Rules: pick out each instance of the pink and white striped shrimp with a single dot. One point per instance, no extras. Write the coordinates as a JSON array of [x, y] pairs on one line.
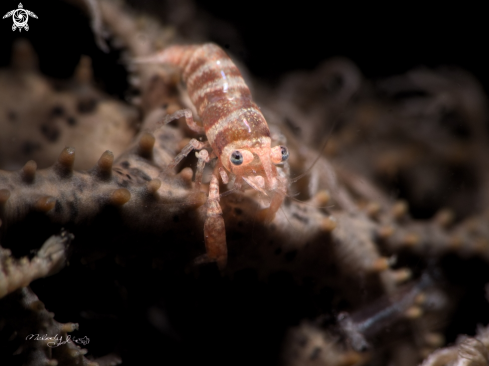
[[235, 129]]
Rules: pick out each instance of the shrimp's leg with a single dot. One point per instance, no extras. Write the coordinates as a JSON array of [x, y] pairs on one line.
[[214, 229], [192, 145], [203, 157], [188, 118], [224, 176]]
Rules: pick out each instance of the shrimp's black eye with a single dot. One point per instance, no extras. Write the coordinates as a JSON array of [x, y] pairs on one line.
[[285, 153], [236, 158]]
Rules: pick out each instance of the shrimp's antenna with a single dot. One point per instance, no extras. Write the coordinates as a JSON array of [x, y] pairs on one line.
[[286, 217], [333, 126], [227, 192], [307, 203]]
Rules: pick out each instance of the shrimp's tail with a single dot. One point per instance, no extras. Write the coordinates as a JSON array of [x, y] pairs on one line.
[[178, 55]]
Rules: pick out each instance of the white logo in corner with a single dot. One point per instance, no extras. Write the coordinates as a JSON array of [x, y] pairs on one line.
[[20, 17]]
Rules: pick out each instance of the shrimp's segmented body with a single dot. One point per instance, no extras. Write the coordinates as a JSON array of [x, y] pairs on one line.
[[235, 129]]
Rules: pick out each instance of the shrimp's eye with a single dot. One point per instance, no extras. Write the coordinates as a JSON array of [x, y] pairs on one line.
[[285, 153], [279, 154], [236, 158]]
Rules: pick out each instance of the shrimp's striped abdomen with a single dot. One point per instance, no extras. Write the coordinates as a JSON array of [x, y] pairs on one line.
[[219, 93]]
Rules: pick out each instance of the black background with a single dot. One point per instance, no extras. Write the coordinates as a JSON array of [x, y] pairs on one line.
[[275, 38]]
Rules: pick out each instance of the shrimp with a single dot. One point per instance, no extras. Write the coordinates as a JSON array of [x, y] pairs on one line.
[[236, 131]]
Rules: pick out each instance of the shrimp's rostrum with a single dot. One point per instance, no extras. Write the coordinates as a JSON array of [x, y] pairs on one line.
[[235, 129]]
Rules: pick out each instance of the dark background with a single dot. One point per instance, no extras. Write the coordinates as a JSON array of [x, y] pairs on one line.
[[273, 38]]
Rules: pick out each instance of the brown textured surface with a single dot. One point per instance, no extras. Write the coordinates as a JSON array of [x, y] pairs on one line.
[[352, 246]]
